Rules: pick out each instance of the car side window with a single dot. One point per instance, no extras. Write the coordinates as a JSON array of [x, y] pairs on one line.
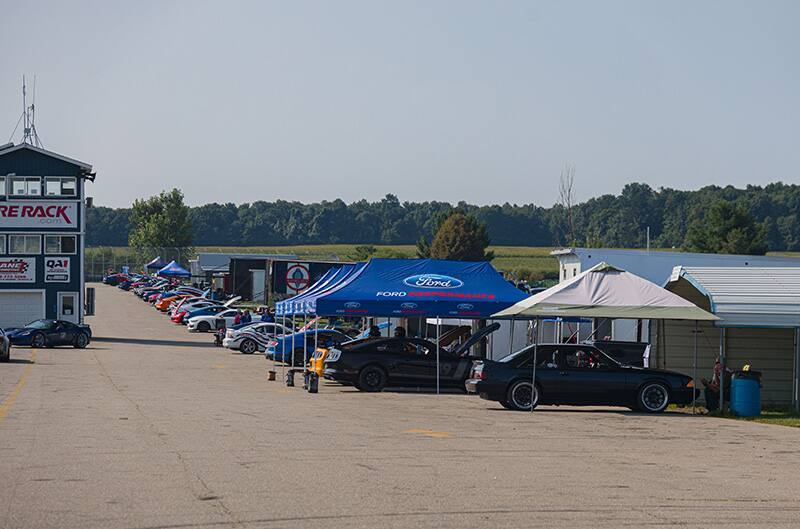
[[546, 358], [390, 346], [580, 358]]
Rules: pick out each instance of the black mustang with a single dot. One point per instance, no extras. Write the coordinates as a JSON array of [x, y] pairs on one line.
[[576, 374], [374, 364]]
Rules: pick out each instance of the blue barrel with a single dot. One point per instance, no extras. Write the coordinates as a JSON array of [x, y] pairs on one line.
[[745, 396]]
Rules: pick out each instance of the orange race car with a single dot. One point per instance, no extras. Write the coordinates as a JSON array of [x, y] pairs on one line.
[[163, 304]]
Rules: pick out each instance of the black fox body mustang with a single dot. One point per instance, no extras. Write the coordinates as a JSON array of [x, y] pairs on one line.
[[374, 364], [577, 374]]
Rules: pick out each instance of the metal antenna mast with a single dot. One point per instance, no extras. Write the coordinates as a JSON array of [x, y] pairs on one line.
[[28, 117]]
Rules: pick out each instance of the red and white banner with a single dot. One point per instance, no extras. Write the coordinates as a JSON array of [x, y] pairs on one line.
[[17, 270], [38, 214], [298, 278]]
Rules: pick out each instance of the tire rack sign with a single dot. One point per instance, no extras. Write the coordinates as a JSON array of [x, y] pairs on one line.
[[56, 270], [39, 214], [18, 270]]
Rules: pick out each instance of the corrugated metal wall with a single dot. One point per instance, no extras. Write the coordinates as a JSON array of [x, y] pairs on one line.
[[770, 351]]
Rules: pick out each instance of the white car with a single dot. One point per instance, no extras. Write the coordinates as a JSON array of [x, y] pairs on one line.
[[247, 339], [207, 323]]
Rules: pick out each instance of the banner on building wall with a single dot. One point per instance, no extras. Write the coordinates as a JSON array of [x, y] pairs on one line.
[[290, 278], [56, 270], [38, 214], [17, 270]]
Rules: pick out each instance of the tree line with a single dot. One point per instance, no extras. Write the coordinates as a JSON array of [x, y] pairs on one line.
[[723, 219]]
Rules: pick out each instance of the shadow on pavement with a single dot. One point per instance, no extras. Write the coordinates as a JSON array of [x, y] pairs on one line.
[[144, 341], [13, 360]]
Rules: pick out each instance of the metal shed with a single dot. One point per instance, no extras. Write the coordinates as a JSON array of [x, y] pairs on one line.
[[760, 325]]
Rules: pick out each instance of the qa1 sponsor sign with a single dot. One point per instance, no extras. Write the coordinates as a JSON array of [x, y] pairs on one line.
[[56, 270], [39, 214], [17, 270]]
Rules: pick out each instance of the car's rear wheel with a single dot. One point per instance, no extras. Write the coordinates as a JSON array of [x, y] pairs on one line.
[[203, 326], [522, 396], [248, 346], [38, 341], [371, 378], [653, 397], [7, 355], [82, 340]]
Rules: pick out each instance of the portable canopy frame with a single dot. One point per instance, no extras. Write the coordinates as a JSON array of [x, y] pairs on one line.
[[420, 288], [156, 264], [305, 303], [605, 291], [173, 269]]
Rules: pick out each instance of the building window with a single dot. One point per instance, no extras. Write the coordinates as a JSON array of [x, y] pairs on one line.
[[59, 186], [2, 185], [24, 244], [26, 186], [59, 244], [2, 244]]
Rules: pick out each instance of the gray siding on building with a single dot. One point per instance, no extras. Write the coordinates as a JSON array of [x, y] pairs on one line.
[[770, 351]]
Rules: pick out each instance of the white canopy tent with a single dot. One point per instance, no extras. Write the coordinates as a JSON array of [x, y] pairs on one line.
[[605, 291]]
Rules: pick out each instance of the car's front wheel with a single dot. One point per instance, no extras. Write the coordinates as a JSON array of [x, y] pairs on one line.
[[82, 340], [653, 397], [522, 396], [371, 378], [6, 357], [203, 326], [248, 347], [38, 341]]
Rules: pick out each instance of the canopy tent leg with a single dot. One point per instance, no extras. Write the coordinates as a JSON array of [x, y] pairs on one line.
[[283, 352], [438, 345], [511, 337], [722, 373], [305, 349], [535, 358], [291, 356], [797, 370], [694, 370]]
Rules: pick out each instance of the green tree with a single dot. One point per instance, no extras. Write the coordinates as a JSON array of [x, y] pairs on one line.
[[726, 228], [161, 221], [461, 238]]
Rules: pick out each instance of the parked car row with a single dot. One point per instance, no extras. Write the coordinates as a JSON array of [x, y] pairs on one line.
[[575, 374], [592, 373]]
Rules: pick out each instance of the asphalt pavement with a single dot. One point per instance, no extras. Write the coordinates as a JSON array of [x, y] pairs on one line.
[[153, 427]]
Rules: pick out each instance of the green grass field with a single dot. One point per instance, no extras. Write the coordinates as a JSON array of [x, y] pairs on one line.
[[532, 261], [523, 262]]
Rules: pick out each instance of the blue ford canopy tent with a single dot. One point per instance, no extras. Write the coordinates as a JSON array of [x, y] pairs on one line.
[[173, 269], [156, 264], [422, 288]]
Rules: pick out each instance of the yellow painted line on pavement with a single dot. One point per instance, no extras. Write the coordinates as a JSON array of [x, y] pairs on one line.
[[430, 433], [218, 366], [5, 406]]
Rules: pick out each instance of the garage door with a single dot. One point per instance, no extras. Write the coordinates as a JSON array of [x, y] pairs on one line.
[[19, 308]]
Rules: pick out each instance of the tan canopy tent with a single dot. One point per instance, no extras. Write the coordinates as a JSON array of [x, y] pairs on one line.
[[605, 291]]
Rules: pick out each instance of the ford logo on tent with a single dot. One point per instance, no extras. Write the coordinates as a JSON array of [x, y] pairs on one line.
[[408, 306], [433, 281], [352, 305], [465, 306]]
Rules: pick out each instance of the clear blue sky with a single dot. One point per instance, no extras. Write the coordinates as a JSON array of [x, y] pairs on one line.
[[477, 101]]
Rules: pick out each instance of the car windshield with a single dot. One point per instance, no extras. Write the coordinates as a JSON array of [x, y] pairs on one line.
[[39, 324]]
